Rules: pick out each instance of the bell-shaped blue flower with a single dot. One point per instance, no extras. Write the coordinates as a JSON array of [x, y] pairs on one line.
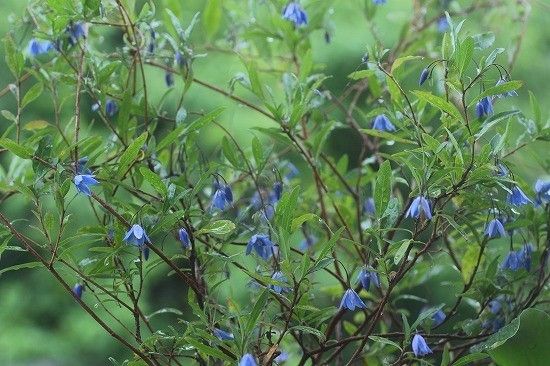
[[423, 76], [495, 229], [83, 182], [169, 79], [179, 59], [76, 31], [368, 206], [419, 346], [438, 318], [295, 13], [382, 123], [222, 198], [277, 192], [308, 242], [442, 24], [38, 47], [279, 277], [495, 306], [111, 108], [501, 170], [78, 289], [183, 236], [366, 277], [517, 198], [292, 171], [484, 107], [261, 245], [247, 360], [351, 301], [542, 191], [420, 205], [81, 166], [136, 236], [222, 335], [282, 357], [511, 262], [524, 256]]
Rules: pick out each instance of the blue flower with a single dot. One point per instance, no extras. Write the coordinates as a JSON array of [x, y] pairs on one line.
[[524, 256], [517, 197], [495, 306], [511, 93], [292, 171], [419, 346], [38, 47], [136, 236], [438, 317], [184, 238], [542, 191], [78, 289], [495, 229], [223, 335], [365, 278], [111, 108], [261, 244], [247, 360], [81, 166], [76, 31], [151, 46], [442, 24], [223, 197], [283, 356], [96, 106], [484, 107], [501, 170], [512, 261], [423, 76], [169, 79], [180, 60], [382, 123], [378, 2], [308, 242], [351, 301], [277, 192], [279, 277], [419, 205], [145, 251], [83, 183], [494, 324], [294, 13], [368, 206]]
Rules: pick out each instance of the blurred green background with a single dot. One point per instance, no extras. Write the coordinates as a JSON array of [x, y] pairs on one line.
[[41, 325]]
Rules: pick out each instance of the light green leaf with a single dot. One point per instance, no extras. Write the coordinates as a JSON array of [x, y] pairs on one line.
[[382, 189], [130, 154], [154, 180], [220, 227], [439, 103]]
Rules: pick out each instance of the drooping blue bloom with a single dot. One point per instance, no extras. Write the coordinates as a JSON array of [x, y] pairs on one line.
[[277, 192], [136, 236], [423, 76], [83, 182], [382, 123], [38, 47], [151, 46], [524, 256], [184, 238], [308, 242], [351, 301], [366, 277], [495, 306], [495, 229], [261, 245], [283, 356], [438, 317], [295, 13], [517, 198], [279, 277], [247, 360], [442, 24], [419, 205], [292, 171], [378, 2], [501, 170], [511, 262], [223, 197], [511, 93], [542, 191], [419, 346], [484, 107], [76, 31], [78, 289], [169, 79], [368, 206], [222, 335], [180, 60], [111, 107], [145, 251]]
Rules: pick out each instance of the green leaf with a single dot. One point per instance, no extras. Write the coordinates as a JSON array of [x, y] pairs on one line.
[[361, 74], [200, 122], [220, 227], [400, 253], [387, 136], [382, 190], [17, 267], [401, 60], [212, 16], [385, 341], [469, 261], [286, 208], [255, 313], [297, 222], [467, 360], [154, 180], [33, 93], [464, 55], [24, 152], [130, 154], [439, 103], [303, 329], [207, 350], [229, 152], [498, 89], [165, 311]]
